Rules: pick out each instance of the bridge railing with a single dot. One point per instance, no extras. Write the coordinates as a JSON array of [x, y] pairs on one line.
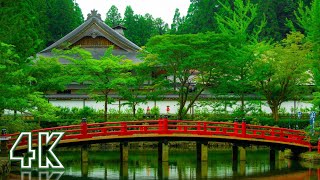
[[165, 126]]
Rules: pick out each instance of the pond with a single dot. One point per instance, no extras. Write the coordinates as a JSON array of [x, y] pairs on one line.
[[143, 164]]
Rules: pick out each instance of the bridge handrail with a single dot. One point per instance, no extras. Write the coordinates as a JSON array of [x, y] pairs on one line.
[[165, 126], [276, 128], [195, 122]]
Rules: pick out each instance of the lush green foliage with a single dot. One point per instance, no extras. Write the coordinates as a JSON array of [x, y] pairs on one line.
[[113, 17], [308, 18], [228, 57], [201, 16], [14, 81], [237, 24], [140, 28], [281, 72], [30, 25], [187, 61], [103, 75], [17, 92]]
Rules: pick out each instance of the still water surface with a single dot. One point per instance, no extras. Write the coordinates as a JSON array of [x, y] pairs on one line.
[[182, 165]]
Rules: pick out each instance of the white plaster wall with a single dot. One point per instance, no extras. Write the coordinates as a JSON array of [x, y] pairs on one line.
[[163, 105]]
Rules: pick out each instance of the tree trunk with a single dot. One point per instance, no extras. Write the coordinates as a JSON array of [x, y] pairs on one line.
[[180, 113], [275, 112], [106, 108], [182, 103], [15, 114], [134, 109], [119, 107], [242, 105]]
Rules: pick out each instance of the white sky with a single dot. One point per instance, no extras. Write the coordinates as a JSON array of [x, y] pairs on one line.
[[157, 8]]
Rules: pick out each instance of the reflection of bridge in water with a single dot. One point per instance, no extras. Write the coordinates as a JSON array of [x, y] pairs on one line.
[[111, 168], [164, 130]]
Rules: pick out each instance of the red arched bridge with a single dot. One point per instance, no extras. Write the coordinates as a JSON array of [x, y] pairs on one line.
[[148, 130]]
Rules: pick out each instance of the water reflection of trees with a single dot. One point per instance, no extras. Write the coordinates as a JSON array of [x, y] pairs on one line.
[[181, 165]]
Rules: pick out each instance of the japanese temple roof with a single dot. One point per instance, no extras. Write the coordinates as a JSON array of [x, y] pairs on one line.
[[94, 27]]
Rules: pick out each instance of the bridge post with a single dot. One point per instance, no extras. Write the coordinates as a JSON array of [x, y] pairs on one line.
[[84, 169], [123, 128], [202, 150], [202, 170], [243, 127], [235, 153], [238, 152], [4, 144], [84, 127], [242, 153], [163, 151], [124, 151], [163, 170], [318, 146], [124, 170], [276, 154], [165, 124], [272, 158], [235, 126], [84, 153], [242, 168]]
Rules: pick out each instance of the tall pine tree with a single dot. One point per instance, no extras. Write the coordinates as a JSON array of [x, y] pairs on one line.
[[64, 16], [113, 17], [20, 24]]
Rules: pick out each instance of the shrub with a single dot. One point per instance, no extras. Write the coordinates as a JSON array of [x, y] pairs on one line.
[[155, 111], [19, 125], [140, 113]]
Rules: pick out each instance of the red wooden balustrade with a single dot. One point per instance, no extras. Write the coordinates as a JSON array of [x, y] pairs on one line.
[[165, 126]]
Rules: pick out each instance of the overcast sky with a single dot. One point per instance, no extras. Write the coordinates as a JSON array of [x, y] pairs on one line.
[[157, 8]]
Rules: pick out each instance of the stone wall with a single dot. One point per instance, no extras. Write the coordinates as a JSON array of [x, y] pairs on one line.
[[5, 166]]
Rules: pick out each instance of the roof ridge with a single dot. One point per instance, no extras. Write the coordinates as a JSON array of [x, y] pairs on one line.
[[95, 16]]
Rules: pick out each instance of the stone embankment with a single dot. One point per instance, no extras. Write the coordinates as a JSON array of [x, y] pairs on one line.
[[5, 166]]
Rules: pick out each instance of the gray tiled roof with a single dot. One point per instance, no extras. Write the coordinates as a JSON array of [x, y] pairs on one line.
[[97, 26], [94, 27]]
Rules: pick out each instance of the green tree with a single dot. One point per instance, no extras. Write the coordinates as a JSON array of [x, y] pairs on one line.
[[200, 17], [129, 22], [49, 74], [191, 64], [14, 80], [16, 91], [308, 19], [113, 17], [140, 28], [146, 29], [176, 22], [99, 75], [63, 16], [79, 19], [160, 26], [40, 108], [277, 13], [20, 26], [282, 71], [236, 23], [137, 87]]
